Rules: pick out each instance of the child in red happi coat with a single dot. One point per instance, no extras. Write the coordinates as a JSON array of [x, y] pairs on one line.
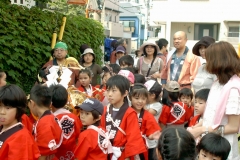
[[70, 123], [16, 142], [47, 130], [186, 96], [93, 143], [147, 123], [121, 121], [85, 77], [173, 112], [199, 106]]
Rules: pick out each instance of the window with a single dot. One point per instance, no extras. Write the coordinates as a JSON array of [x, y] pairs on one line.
[[21, 1], [233, 32], [15, 1]]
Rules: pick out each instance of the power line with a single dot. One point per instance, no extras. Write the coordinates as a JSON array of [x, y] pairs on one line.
[[122, 7]]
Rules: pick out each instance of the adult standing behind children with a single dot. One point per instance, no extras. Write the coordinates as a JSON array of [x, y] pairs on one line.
[[203, 78], [222, 113], [183, 65], [149, 65], [113, 56], [59, 58], [163, 45], [88, 61]]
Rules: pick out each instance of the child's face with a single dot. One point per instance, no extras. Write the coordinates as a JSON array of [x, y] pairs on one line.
[[151, 97], [203, 155], [115, 97], [84, 79], [88, 58], [7, 116], [119, 55], [186, 100], [107, 75], [86, 118], [199, 106], [3, 80], [139, 102]]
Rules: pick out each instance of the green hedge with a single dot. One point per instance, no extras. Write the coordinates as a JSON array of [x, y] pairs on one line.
[[26, 39]]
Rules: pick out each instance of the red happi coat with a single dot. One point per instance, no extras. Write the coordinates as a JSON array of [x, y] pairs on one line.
[[132, 143], [19, 146], [194, 120], [27, 122], [83, 90], [48, 134], [189, 113], [167, 117], [148, 126], [71, 126], [99, 92], [87, 147]]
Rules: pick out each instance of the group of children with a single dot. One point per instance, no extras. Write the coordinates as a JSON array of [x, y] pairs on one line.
[[122, 118]]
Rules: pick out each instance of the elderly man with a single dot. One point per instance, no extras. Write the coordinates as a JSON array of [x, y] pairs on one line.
[[60, 59], [183, 65]]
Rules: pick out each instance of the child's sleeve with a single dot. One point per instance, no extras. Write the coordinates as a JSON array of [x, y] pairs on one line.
[[164, 115], [151, 124], [135, 144]]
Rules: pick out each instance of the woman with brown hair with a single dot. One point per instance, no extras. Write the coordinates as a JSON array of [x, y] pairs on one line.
[[222, 113]]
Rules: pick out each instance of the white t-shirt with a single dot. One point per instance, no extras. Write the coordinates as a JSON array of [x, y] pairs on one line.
[[232, 108], [158, 108], [203, 79]]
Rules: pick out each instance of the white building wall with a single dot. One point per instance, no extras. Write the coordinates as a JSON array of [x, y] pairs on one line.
[[28, 3], [182, 14]]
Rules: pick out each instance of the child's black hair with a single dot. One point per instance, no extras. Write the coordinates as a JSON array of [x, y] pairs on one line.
[[112, 68], [86, 71], [186, 92], [41, 95], [126, 60], [41, 74], [120, 82], [176, 144], [136, 52], [202, 94], [139, 78], [169, 97], [59, 96], [162, 42], [215, 145], [138, 90], [13, 96], [156, 89]]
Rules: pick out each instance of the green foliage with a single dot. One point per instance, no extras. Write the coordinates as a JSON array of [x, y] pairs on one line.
[[26, 39]]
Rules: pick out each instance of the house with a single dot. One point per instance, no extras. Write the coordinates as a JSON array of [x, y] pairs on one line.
[[28, 3], [217, 18], [133, 18]]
